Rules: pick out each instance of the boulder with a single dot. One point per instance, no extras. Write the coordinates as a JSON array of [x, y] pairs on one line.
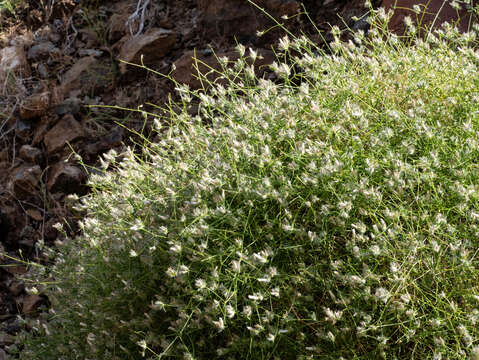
[[433, 12], [87, 76], [66, 178], [66, 130], [238, 19], [152, 46]]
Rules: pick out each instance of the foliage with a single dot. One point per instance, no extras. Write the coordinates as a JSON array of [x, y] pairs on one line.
[[331, 214]]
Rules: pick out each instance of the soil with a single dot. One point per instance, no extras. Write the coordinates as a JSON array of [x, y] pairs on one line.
[[60, 65]]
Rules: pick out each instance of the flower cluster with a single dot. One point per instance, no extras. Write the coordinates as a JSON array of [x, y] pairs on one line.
[[336, 218]]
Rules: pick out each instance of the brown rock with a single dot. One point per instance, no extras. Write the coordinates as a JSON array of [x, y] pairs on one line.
[[30, 154], [24, 180], [153, 45], [433, 12], [42, 127], [15, 269], [185, 67], [66, 178], [66, 130], [117, 27], [16, 287], [6, 339], [35, 105], [50, 232], [13, 61], [228, 18], [30, 303], [87, 75], [35, 214]]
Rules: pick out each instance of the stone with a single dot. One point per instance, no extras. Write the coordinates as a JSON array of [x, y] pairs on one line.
[[434, 12], [6, 339], [15, 269], [87, 76], [66, 178], [24, 181], [153, 45], [16, 287], [237, 19], [31, 303], [42, 50], [34, 214], [66, 130], [3, 355], [35, 105], [30, 154], [117, 27], [185, 72], [68, 106], [13, 61]]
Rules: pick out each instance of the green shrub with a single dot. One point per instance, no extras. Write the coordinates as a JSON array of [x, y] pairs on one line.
[[332, 214]]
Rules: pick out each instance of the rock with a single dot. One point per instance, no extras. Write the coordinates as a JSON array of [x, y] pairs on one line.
[[3, 355], [30, 303], [27, 237], [66, 130], [231, 18], [35, 105], [35, 214], [186, 73], [88, 75], [117, 27], [49, 230], [13, 61], [109, 141], [24, 181], [66, 178], [6, 339], [15, 269], [16, 287], [69, 106], [23, 129], [42, 70], [45, 123], [237, 19], [153, 45], [42, 50], [30, 154], [433, 12]]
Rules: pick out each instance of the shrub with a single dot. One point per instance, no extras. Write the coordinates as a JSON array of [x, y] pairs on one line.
[[331, 214]]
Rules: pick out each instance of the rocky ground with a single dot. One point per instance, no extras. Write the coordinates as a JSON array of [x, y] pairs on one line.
[[60, 57]]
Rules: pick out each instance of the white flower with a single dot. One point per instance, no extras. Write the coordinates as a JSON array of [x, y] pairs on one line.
[[256, 297], [200, 283], [220, 325], [171, 272], [236, 265], [247, 311], [133, 253], [270, 337], [382, 294], [230, 311]]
